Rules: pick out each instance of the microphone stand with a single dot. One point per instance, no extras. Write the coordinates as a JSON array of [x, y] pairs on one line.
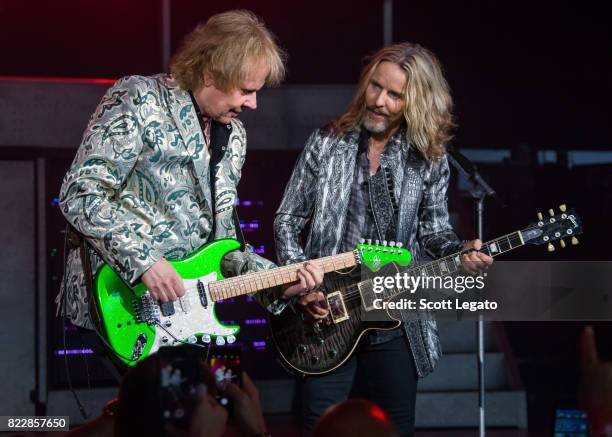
[[479, 191]]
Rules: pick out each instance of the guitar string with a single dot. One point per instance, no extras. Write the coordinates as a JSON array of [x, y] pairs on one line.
[[263, 276], [267, 275], [353, 292], [241, 281]]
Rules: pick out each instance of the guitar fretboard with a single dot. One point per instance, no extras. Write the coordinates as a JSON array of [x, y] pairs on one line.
[[452, 263], [253, 282]]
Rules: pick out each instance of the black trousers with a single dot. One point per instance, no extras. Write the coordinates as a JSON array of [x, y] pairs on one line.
[[382, 373]]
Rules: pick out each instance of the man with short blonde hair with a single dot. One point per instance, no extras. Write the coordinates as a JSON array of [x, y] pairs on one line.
[[156, 173]]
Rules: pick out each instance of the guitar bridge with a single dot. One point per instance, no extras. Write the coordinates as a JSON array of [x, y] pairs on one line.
[[337, 309], [145, 309]]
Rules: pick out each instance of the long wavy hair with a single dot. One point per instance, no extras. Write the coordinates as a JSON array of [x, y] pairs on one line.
[[225, 48], [427, 101]]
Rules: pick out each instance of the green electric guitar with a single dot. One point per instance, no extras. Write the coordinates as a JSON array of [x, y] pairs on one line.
[[135, 325]]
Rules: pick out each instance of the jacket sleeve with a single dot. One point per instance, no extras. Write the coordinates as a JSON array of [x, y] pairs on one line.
[[298, 202], [121, 229], [241, 262], [435, 232]]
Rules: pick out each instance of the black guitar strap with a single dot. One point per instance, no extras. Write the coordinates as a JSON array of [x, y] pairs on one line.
[[239, 234], [219, 137], [383, 203], [78, 242]]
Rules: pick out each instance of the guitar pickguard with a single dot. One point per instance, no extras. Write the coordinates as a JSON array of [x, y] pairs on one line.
[[192, 321]]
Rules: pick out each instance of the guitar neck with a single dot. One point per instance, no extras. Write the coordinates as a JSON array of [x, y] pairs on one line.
[[256, 281], [452, 263]]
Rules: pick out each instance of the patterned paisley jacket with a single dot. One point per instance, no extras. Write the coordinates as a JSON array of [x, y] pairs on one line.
[[319, 191], [138, 188]]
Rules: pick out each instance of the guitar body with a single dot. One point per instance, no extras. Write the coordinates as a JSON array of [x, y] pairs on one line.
[[307, 349], [134, 326]]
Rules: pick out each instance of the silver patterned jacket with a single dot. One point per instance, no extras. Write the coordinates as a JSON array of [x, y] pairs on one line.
[[138, 189], [319, 191]]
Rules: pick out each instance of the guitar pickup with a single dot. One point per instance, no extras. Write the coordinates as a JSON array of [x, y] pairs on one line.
[[337, 309], [185, 303], [167, 308], [202, 293]]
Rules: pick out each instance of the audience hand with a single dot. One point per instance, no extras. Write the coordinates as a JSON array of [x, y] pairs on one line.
[[595, 392], [247, 410]]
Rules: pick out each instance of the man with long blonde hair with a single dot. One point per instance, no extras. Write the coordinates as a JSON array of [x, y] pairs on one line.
[[155, 176], [378, 172]]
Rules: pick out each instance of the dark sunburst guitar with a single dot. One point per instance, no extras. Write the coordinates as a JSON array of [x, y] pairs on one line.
[[312, 349]]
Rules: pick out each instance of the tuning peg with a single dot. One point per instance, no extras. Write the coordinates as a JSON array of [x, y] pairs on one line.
[[384, 242], [562, 208], [399, 244], [550, 247], [369, 240], [562, 244], [574, 241], [551, 212], [392, 243], [362, 240], [540, 216], [377, 243]]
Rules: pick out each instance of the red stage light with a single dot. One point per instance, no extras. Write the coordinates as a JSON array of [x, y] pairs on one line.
[[58, 79]]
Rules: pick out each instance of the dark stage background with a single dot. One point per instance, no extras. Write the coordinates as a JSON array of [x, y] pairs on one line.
[[527, 78], [521, 71]]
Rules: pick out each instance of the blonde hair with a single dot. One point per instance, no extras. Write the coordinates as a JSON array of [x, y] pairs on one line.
[[427, 101], [225, 48]]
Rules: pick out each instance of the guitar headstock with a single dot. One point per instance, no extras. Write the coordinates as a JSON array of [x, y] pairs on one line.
[[557, 226], [375, 256]]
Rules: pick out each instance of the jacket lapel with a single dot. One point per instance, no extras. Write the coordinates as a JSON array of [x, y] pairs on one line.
[[187, 123], [337, 187]]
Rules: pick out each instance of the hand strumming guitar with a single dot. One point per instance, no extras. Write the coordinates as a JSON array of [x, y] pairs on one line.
[[163, 282]]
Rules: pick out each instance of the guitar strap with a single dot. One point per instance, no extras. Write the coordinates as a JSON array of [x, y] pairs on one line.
[[219, 137], [383, 203], [78, 242]]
